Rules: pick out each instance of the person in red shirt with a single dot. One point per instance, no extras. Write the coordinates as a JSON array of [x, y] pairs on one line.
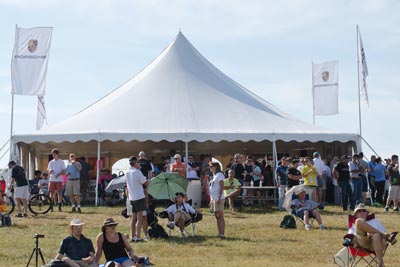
[[178, 166]]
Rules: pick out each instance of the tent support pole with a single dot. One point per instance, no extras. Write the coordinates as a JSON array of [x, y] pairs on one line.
[[186, 155], [97, 172], [274, 161]]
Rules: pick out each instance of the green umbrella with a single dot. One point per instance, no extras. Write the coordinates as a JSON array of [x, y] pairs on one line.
[[166, 185]]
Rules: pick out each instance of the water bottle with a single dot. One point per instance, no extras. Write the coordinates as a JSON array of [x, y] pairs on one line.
[[261, 183], [347, 242], [251, 183]]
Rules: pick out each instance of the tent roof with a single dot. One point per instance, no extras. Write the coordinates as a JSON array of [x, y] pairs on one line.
[[182, 96]]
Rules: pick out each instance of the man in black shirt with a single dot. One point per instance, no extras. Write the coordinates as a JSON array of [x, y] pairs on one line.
[[21, 190], [293, 174], [394, 188], [77, 250], [145, 165], [342, 175], [238, 167]]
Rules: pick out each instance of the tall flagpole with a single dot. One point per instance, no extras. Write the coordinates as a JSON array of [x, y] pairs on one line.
[[12, 124], [358, 75], [312, 90]]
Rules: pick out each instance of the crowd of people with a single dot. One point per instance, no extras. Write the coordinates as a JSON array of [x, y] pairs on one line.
[[346, 181]]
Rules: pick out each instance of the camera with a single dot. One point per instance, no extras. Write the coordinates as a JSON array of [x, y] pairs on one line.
[[38, 236]]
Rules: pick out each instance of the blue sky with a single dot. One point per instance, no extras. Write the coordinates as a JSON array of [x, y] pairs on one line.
[[267, 46]]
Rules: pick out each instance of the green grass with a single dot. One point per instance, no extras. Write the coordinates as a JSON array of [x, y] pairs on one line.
[[253, 239]]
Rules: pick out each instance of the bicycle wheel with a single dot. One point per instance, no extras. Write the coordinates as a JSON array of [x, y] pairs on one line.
[[7, 204], [40, 204]]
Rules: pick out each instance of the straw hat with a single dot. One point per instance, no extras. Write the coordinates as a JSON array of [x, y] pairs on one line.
[[108, 222], [360, 206], [75, 222]]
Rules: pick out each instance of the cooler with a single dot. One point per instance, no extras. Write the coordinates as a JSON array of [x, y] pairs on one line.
[[194, 193]]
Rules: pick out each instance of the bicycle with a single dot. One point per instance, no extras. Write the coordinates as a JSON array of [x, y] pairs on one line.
[[37, 204]]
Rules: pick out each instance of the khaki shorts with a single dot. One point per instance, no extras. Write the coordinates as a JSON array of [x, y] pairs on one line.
[[364, 241], [394, 192], [217, 207], [73, 188], [22, 192], [184, 216]]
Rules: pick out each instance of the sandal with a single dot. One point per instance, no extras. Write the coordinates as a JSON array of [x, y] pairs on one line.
[[392, 238]]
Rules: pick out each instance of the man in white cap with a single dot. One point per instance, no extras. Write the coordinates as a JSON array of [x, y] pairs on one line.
[[178, 166], [77, 250]]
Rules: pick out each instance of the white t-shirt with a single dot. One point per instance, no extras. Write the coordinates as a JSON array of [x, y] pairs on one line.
[[134, 182], [57, 166], [373, 222], [320, 165], [191, 173], [173, 208], [43, 182], [215, 186]]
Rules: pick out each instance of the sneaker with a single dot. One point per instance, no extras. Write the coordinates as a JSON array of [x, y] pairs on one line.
[[138, 240], [79, 210], [19, 215], [321, 227], [396, 209], [146, 238], [386, 209], [73, 210], [133, 239], [59, 208], [307, 227], [25, 215], [182, 234], [221, 236], [171, 225]]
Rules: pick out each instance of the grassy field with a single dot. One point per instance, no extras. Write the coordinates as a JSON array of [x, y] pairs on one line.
[[253, 239]]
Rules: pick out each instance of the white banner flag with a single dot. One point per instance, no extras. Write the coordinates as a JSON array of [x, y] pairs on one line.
[[29, 60], [325, 88], [40, 113], [362, 69]]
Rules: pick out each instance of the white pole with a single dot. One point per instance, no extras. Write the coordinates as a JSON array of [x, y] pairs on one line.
[[12, 124], [186, 157], [274, 162], [98, 171], [358, 76], [312, 91]]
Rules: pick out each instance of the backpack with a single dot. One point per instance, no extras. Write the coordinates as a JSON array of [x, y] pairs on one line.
[[5, 220], [288, 222]]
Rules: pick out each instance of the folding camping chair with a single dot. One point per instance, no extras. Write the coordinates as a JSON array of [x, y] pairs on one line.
[[293, 212], [191, 222], [357, 254]]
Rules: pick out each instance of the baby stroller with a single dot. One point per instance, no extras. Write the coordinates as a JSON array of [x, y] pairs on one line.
[[113, 192]]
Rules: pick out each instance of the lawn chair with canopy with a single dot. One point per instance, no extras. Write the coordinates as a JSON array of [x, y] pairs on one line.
[[291, 195]]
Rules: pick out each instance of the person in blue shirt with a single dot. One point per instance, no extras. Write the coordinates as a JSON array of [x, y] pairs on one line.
[[371, 176], [380, 179], [281, 181]]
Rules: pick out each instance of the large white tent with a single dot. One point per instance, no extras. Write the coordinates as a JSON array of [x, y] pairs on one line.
[[180, 101]]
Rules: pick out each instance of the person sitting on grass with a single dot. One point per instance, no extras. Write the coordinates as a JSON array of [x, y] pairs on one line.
[[232, 189], [179, 213], [371, 234], [76, 250], [306, 209], [115, 245]]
